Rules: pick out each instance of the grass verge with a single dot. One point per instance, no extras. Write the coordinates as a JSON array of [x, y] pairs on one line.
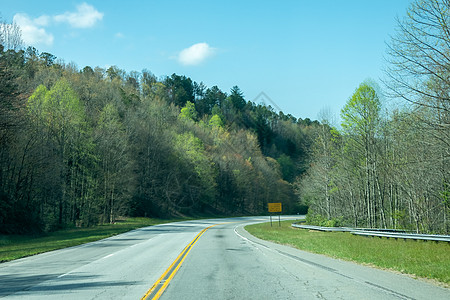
[[421, 259], [17, 246]]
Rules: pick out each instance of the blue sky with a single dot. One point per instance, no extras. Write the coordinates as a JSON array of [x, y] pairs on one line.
[[305, 55]]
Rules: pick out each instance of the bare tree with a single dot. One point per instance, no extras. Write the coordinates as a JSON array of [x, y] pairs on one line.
[[419, 72], [419, 55], [10, 36]]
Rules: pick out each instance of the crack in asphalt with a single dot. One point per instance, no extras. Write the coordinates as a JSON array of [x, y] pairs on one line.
[[394, 293], [307, 261]]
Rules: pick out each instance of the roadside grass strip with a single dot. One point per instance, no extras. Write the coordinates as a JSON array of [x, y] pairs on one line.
[[422, 259]]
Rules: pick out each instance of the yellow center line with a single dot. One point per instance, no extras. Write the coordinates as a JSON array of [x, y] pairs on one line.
[[161, 284]]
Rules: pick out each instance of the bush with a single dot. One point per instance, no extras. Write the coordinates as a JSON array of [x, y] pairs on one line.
[[319, 220]]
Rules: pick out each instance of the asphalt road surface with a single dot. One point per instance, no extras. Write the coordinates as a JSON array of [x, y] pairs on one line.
[[184, 261]]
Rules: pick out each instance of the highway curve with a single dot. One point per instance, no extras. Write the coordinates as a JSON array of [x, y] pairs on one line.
[[204, 259]]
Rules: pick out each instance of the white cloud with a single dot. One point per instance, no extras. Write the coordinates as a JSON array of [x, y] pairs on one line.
[[32, 31], [195, 54], [42, 20], [86, 16]]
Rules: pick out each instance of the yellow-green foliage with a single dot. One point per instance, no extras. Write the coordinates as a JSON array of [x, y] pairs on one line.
[[216, 121], [188, 112], [192, 151]]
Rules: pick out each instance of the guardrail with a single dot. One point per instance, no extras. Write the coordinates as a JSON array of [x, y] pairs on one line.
[[386, 233], [405, 236], [344, 229], [320, 228]]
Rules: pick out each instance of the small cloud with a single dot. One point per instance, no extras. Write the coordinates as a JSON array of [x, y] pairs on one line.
[[119, 35], [42, 20], [32, 31], [86, 16], [195, 54]]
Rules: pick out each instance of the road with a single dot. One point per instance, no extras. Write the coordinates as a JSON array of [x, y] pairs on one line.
[[223, 262]]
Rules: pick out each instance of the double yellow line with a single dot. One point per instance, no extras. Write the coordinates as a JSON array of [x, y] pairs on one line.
[[161, 284]]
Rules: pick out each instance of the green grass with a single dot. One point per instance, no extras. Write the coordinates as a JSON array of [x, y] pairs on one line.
[[17, 246], [421, 259]]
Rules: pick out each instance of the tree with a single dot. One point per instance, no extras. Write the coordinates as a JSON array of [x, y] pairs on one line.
[[321, 179], [287, 167], [148, 82], [419, 73], [360, 118], [418, 55], [419, 60], [262, 121], [8, 98], [199, 90], [216, 122], [14, 175], [237, 98], [150, 129], [201, 183], [180, 89], [188, 112], [114, 72], [59, 112], [87, 71], [133, 80], [10, 36], [47, 58], [212, 97], [112, 145]]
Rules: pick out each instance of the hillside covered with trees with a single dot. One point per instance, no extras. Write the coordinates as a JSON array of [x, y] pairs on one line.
[[83, 146]]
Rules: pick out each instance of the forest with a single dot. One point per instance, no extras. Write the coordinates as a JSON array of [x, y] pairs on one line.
[[85, 146], [388, 166]]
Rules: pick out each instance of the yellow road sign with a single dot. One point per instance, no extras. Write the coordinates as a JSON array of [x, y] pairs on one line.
[[274, 207]]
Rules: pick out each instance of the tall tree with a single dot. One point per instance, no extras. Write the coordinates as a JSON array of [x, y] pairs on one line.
[[188, 112], [360, 118], [419, 73], [212, 97], [8, 97], [237, 98], [10, 36], [59, 112], [180, 89], [419, 67], [148, 82], [112, 146]]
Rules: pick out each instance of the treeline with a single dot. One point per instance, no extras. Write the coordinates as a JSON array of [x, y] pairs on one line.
[[391, 168], [83, 147]]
